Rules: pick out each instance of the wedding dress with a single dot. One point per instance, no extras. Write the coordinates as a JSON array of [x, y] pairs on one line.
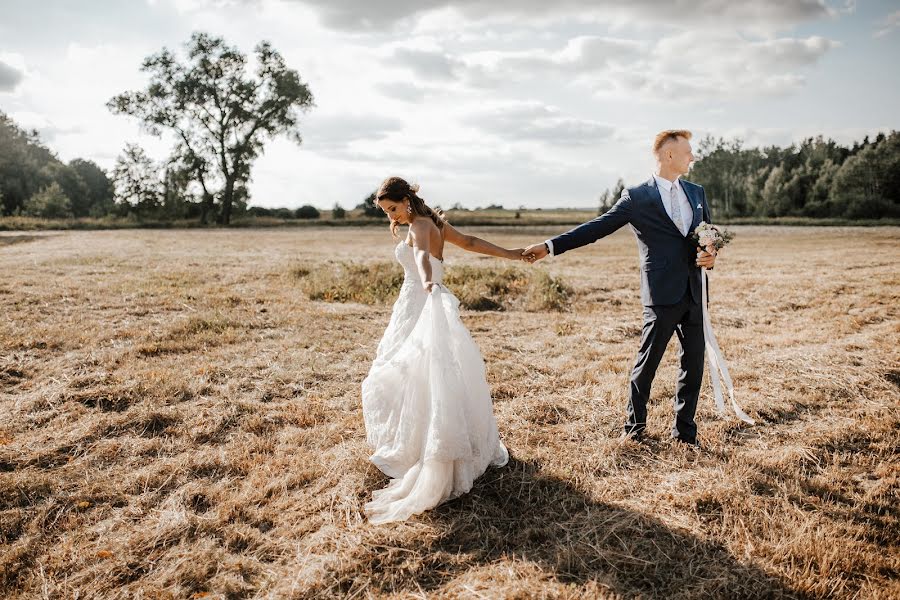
[[426, 402]]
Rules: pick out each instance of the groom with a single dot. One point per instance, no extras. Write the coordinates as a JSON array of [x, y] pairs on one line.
[[662, 212]]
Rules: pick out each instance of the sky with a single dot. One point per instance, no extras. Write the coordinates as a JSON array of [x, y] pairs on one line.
[[527, 103]]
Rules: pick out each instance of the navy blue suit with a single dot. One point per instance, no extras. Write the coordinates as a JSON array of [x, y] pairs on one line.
[[670, 293]]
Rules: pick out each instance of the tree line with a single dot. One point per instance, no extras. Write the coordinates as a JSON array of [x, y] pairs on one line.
[[816, 178]]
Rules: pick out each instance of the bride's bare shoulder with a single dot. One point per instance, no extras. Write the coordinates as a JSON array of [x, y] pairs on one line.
[[422, 227]]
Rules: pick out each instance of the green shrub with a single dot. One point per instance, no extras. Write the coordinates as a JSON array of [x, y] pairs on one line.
[[49, 203], [307, 212]]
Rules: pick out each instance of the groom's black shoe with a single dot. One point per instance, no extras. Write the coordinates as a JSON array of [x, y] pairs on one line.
[[634, 430], [637, 436], [692, 443]]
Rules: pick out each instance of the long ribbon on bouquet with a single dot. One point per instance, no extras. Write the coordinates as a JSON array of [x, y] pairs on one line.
[[717, 362]]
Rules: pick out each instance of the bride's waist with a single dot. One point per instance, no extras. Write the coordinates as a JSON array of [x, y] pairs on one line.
[[411, 281]]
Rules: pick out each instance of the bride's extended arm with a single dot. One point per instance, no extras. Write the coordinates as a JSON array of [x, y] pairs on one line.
[[422, 250], [476, 244]]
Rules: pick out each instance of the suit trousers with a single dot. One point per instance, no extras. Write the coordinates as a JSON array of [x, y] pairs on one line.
[[685, 318]]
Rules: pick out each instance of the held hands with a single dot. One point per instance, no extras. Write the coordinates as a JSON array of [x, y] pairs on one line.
[[535, 252], [706, 258], [515, 254]]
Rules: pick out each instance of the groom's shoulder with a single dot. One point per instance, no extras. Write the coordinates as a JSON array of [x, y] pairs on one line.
[[640, 188], [691, 184]]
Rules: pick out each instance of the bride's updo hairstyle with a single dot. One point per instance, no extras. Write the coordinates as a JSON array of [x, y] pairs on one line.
[[396, 189]]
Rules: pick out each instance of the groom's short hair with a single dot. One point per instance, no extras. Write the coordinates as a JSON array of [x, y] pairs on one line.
[[669, 134]]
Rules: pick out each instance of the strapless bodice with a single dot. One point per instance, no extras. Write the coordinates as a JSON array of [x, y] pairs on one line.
[[407, 259]]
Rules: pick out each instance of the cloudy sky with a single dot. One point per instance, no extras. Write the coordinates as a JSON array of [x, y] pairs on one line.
[[523, 103]]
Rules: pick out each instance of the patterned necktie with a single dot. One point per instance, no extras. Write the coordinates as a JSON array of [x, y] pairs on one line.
[[676, 209]]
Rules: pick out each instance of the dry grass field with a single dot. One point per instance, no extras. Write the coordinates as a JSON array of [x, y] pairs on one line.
[[178, 419]]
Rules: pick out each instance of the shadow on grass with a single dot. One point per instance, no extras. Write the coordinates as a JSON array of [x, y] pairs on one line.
[[9, 240], [519, 514]]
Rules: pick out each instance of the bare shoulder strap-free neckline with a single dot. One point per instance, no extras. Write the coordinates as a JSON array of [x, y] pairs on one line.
[[441, 232]]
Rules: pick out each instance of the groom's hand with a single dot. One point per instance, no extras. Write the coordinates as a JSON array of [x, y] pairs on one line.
[[705, 259], [535, 252]]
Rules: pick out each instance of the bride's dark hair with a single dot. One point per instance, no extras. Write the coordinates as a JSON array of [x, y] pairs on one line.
[[397, 189]]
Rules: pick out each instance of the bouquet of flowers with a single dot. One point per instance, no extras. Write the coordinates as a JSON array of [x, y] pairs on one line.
[[710, 237]]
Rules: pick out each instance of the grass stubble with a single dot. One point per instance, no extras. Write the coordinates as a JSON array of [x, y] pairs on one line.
[[179, 419]]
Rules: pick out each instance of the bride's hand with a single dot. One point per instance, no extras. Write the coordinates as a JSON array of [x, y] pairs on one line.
[[429, 286], [515, 254]]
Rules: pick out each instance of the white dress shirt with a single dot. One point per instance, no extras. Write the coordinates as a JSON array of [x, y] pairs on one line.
[[665, 189]]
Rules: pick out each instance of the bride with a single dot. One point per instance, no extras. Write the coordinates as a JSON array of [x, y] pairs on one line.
[[426, 402]]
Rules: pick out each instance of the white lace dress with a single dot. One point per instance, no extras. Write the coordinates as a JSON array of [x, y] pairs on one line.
[[426, 402]]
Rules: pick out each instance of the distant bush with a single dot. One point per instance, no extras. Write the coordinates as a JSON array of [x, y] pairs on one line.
[[369, 207], [259, 211], [478, 288], [49, 203], [307, 212], [338, 212], [283, 213], [275, 213]]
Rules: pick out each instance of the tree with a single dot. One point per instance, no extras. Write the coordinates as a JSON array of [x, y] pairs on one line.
[[177, 201], [195, 166], [220, 114], [137, 181], [22, 159], [610, 197], [72, 185], [100, 191], [774, 198], [604, 201], [868, 183], [307, 212], [338, 212], [49, 203], [368, 206]]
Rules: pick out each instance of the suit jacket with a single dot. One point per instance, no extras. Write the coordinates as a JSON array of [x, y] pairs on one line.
[[668, 258]]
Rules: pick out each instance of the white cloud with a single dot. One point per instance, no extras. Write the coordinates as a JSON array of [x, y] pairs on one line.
[[403, 91], [428, 64], [335, 132], [47, 129], [389, 14], [685, 67], [691, 67], [535, 122], [10, 77], [581, 56], [65, 100], [888, 24]]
